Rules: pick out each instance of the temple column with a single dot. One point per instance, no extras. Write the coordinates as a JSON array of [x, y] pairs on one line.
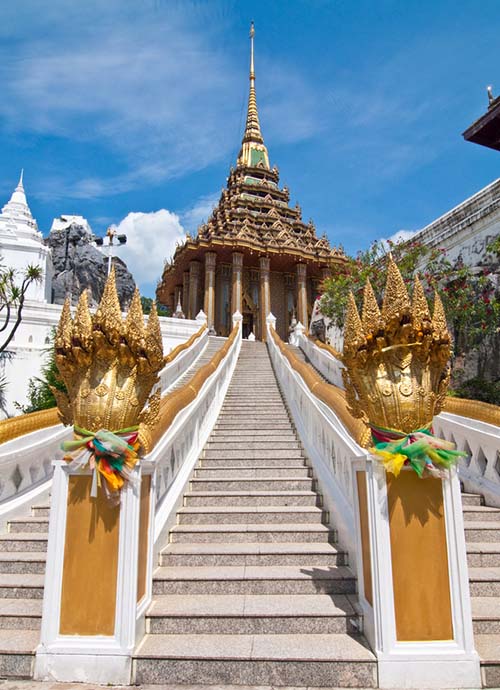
[[209, 301], [185, 293], [265, 294], [194, 278], [237, 293], [302, 294], [171, 302]]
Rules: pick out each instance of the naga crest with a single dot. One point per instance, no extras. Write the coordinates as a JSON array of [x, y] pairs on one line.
[[109, 365], [396, 358]]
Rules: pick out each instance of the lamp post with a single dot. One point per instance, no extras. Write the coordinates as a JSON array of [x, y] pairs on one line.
[[112, 235]]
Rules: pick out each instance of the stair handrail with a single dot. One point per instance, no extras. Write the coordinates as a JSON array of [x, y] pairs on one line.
[[355, 492], [472, 425]]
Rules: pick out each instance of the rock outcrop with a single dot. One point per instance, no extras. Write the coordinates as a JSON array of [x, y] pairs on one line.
[[78, 264]]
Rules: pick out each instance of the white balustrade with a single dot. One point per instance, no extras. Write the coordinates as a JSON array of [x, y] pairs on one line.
[[328, 365], [339, 463], [480, 470], [180, 364]]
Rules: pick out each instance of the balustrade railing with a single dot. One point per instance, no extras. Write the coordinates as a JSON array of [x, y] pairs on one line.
[[375, 520]]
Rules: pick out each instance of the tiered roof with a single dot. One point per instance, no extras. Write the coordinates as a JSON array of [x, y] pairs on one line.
[[253, 212]]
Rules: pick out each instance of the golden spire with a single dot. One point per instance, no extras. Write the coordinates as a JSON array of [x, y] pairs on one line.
[[253, 151]]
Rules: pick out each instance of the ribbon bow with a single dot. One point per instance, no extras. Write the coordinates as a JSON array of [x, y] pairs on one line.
[[111, 455], [420, 449]]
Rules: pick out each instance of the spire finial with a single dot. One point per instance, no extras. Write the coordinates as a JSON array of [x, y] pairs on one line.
[[20, 183], [252, 138], [252, 34]]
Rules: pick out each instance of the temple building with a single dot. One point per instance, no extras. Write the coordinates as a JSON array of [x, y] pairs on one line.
[[21, 244], [255, 254]]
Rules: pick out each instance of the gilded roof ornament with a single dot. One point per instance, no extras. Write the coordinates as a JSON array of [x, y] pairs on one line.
[[109, 366], [396, 361]]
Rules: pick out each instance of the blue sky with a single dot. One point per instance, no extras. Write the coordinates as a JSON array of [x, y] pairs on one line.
[[131, 111]]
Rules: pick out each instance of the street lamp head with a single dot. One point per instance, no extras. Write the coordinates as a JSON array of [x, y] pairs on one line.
[[121, 239]]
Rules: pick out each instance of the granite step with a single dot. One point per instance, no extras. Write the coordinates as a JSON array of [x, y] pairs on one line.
[[472, 499], [254, 580], [250, 454], [259, 614], [250, 553], [253, 435], [252, 444], [486, 616], [250, 426], [22, 562], [487, 531], [488, 647], [230, 484], [255, 472], [17, 653], [249, 514], [252, 498], [40, 510], [20, 614], [39, 525], [23, 542], [244, 463], [307, 660], [481, 514], [484, 582], [483, 555], [21, 586], [258, 532]]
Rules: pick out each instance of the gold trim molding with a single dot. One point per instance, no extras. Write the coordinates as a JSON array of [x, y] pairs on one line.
[[26, 423]]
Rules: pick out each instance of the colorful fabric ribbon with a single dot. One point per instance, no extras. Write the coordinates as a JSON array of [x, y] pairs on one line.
[[110, 455], [421, 450]]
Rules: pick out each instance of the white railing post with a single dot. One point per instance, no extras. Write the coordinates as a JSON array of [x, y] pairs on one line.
[[201, 318], [271, 320], [238, 319]]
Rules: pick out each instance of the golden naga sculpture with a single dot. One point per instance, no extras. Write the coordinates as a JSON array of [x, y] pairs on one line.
[[109, 366], [397, 373]]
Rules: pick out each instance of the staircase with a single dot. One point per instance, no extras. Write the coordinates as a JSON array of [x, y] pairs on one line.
[[482, 536], [251, 588], [22, 569]]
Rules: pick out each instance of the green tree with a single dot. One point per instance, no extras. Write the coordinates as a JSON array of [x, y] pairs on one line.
[[147, 303], [13, 289], [471, 296], [40, 395]]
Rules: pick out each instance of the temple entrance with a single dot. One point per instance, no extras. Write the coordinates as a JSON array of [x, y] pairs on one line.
[[247, 324], [249, 316]]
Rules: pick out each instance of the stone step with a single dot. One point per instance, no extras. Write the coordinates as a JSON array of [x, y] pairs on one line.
[[486, 616], [17, 649], [483, 555], [249, 426], [21, 586], [253, 454], [273, 554], [258, 532], [252, 435], [233, 463], [247, 444], [247, 410], [480, 514], [270, 483], [240, 614], [482, 531], [249, 514], [251, 498], [254, 580], [260, 415], [484, 582], [40, 511], [39, 525], [23, 542], [298, 660], [250, 400], [22, 562], [472, 499], [20, 614], [488, 648], [252, 472]]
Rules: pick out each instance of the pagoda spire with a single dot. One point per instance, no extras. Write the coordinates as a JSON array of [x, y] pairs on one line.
[[253, 151]]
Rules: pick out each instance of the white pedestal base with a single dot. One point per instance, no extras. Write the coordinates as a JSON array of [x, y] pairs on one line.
[[101, 669], [430, 673]]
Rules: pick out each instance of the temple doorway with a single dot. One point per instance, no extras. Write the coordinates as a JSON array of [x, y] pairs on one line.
[[249, 316], [247, 324]]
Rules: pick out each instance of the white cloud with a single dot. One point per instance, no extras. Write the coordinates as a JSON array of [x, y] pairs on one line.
[[193, 217], [397, 237], [151, 238]]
